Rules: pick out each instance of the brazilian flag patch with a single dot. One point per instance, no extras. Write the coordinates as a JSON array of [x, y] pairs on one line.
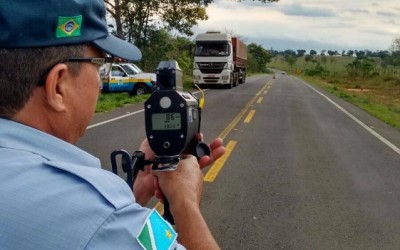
[[156, 233], [69, 26]]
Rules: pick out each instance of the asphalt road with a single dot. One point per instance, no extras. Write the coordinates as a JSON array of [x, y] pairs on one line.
[[305, 170]]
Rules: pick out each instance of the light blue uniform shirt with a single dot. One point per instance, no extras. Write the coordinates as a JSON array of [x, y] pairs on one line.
[[55, 196]]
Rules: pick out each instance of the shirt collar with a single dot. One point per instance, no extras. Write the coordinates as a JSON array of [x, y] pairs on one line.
[[21, 137]]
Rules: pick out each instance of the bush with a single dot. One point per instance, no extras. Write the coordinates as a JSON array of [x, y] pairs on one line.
[[364, 67], [318, 70]]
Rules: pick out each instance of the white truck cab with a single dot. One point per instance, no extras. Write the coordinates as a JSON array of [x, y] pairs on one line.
[[216, 60], [213, 63]]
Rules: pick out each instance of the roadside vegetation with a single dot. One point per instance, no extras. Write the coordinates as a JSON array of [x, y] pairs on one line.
[[369, 80]]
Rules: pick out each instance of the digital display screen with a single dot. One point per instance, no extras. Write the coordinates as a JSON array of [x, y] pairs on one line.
[[166, 121]]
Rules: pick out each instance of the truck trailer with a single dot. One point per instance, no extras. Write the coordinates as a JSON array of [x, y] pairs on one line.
[[219, 59]]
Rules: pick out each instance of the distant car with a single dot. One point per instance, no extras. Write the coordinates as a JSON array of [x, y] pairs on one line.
[[127, 77]]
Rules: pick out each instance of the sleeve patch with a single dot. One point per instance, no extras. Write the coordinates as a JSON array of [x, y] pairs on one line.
[[156, 233]]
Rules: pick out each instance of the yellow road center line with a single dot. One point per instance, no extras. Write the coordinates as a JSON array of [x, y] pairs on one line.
[[231, 125], [249, 116], [218, 164], [265, 92], [239, 116], [259, 100]]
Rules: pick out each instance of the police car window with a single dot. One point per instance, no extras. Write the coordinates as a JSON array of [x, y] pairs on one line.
[[129, 69], [117, 71]]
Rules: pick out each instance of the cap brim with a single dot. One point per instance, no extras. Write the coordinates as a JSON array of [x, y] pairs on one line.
[[118, 48]]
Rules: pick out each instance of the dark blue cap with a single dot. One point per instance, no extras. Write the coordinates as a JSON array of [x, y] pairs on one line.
[[45, 23]]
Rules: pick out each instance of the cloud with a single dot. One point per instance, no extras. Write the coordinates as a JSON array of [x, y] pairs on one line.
[[311, 24], [296, 9], [386, 13], [233, 4], [357, 11]]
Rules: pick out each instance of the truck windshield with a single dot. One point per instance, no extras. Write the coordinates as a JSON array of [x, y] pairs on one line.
[[212, 49]]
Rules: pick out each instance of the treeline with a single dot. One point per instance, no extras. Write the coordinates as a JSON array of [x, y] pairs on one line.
[[364, 63], [387, 57], [356, 53]]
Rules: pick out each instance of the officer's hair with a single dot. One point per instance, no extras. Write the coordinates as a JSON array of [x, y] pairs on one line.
[[20, 70]]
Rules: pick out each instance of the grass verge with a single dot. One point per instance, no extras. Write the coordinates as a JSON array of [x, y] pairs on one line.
[[110, 101], [370, 101]]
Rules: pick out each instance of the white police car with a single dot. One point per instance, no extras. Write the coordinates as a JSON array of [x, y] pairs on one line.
[[127, 77]]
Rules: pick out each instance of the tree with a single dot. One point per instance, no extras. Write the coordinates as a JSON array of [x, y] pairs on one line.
[[360, 54], [350, 52], [395, 45], [307, 59], [369, 53], [313, 52], [141, 17], [290, 59], [331, 53], [160, 43], [289, 52], [301, 52], [383, 54], [394, 58], [258, 57], [317, 70], [361, 67], [181, 52], [114, 9]]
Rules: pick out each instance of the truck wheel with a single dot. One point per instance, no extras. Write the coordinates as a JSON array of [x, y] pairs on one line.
[[140, 90], [230, 84], [237, 80], [243, 80]]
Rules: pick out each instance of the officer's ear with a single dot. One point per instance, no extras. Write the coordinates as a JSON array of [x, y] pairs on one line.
[[56, 87]]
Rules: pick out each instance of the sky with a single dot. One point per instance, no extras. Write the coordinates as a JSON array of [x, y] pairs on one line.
[[308, 24]]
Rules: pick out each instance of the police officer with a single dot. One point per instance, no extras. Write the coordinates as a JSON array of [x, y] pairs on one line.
[[53, 195]]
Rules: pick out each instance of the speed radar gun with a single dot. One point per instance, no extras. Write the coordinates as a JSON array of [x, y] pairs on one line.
[[172, 120]]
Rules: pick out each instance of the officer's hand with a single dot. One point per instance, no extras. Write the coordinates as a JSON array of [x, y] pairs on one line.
[[182, 186], [217, 150], [146, 185]]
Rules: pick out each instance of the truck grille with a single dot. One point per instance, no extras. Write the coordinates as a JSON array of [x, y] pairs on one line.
[[210, 79], [211, 67]]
